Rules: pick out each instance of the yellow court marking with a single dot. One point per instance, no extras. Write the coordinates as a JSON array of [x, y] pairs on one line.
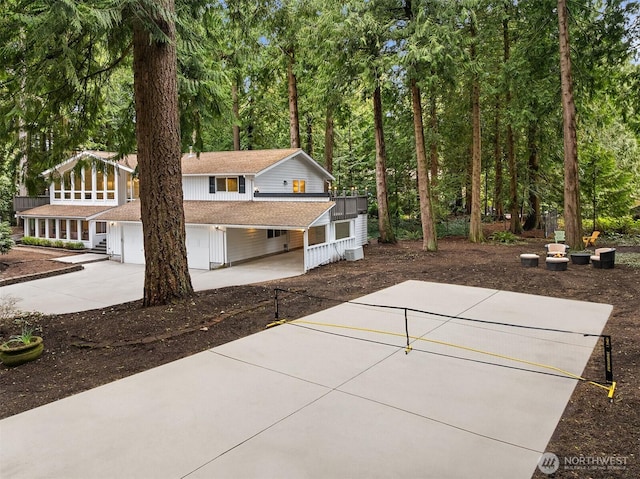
[[610, 389]]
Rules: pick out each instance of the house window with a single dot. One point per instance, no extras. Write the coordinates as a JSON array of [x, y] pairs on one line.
[[212, 184], [227, 184], [343, 230], [88, 183], [317, 235], [101, 227], [57, 188], [66, 184], [276, 233], [299, 186]]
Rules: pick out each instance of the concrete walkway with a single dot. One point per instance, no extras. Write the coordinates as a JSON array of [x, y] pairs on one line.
[[105, 283], [339, 399]]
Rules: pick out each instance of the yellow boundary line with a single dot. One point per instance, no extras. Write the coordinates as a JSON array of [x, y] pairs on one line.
[[610, 389]]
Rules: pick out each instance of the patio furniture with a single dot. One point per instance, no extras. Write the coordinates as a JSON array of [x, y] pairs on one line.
[[604, 258], [556, 249], [557, 264], [559, 236], [580, 258], [590, 240], [529, 260]]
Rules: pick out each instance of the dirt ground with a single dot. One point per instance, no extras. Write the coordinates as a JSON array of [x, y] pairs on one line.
[[87, 349]]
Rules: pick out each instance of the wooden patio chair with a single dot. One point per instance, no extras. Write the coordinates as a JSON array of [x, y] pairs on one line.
[[559, 236], [590, 240]]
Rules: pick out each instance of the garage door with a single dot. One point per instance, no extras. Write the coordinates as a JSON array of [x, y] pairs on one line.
[[133, 244], [198, 247]]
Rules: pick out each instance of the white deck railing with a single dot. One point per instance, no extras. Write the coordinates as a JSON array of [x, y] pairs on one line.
[[324, 253]]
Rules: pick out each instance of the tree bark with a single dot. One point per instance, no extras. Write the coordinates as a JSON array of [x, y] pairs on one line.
[[236, 115], [475, 227], [384, 220], [434, 163], [498, 205], [533, 216], [514, 204], [572, 213], [429, 239], [159, 163], [329, 140], [294, 120]]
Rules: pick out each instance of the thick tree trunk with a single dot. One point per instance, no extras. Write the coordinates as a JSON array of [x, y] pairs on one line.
[[498, 205], [533, 216], [429, 239], [236, 115], [475, 227], [572, 213], [384, 219], [294, 120], [329, 140], [159, 164]]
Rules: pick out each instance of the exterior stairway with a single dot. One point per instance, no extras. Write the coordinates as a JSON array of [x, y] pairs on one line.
[[100, 248]]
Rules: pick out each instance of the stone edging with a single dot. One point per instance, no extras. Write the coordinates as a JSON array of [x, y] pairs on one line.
[[47, 274]]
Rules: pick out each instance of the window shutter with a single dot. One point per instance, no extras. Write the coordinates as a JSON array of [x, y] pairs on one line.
[[241, 185], [212, 184]]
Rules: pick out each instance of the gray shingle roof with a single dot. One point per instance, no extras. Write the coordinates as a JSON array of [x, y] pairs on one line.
[[278, 214], [64, 211], [229, 162]]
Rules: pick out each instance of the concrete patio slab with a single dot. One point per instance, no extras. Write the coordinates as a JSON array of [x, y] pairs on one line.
[[319, 401]]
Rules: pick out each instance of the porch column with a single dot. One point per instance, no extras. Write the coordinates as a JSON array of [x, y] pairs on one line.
[[79, 229], [305, 247], [26, 227]]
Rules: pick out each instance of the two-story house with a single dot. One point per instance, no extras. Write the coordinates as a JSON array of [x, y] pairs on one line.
[[238, 205]]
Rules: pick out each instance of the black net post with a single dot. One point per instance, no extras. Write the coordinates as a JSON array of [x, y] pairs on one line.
[[277, 314], [608, 366]]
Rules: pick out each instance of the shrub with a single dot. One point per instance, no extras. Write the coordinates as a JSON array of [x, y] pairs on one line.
[[6, 243], [30, 240], [505, 237]]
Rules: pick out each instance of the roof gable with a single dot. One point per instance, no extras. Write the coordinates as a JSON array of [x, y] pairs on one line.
[[243, 162], [127, 163]]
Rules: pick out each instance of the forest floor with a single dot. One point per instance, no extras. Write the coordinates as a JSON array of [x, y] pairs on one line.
[[87, 349]]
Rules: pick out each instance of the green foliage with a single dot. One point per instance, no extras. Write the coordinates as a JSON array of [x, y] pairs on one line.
[[28, 329], [504, 237], [74, 245], [453, 227], [630, 259], [624, 225], [6, 243]]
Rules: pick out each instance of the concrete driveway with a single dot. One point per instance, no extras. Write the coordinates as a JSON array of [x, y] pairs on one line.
[[105, 283]]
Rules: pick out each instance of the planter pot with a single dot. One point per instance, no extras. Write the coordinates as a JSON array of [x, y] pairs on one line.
[[14, 355]]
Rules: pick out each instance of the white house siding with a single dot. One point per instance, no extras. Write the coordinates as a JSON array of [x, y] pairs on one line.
[[121, 186], [196, 188], [296, 239], [133, 246], [114, 240], [272, 181], [217, 247], [198, 246], [361, 233], [244, 244]]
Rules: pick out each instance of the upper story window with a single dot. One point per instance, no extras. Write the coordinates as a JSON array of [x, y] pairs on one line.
[[231, 184], [299, 186], [86, 184]]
